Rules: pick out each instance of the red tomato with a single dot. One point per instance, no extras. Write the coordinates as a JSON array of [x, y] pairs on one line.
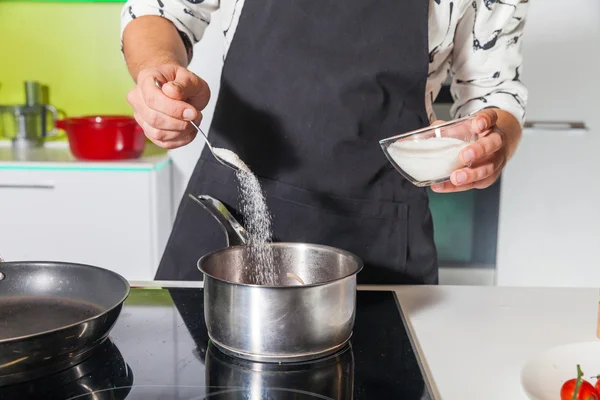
[[597, 385], [586, 391]]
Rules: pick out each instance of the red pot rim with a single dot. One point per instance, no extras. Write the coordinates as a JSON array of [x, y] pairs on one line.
[[98, 119]]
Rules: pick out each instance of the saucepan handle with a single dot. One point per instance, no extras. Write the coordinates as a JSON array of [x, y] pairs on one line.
[[236, 234]]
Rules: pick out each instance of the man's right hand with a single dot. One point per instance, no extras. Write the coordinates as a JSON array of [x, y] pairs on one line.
[[164, 114]]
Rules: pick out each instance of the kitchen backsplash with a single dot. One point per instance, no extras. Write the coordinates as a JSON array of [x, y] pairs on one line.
[[72, 48]]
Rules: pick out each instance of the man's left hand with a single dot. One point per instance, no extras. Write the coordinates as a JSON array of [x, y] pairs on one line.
[[483, 159]]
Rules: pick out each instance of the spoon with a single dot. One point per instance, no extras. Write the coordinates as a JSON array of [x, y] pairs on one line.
[[295, 277], [210, 147]]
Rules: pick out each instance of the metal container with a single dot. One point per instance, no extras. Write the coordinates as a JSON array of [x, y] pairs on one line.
[[26, 124], [285, 323]]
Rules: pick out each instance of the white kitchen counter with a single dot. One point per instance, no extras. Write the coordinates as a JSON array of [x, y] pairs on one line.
[[472, 342], [56, 155]]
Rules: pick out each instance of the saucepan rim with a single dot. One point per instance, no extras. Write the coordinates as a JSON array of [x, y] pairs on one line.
[[352, 256], [69, 265]]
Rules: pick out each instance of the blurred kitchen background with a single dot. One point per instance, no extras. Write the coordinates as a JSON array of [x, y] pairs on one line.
[[538, 225]]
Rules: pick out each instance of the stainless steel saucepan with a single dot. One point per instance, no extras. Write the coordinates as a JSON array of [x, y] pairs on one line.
[[285, 323]]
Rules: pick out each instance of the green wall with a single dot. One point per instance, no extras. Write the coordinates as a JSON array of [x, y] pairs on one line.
[[73, 48]]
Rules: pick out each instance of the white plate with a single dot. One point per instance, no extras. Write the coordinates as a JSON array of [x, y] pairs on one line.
[[543, 375]]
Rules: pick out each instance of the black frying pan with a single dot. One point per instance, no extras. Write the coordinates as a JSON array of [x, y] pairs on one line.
[[53, 315]]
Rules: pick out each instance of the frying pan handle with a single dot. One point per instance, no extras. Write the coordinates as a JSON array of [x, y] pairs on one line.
[[236, 234]]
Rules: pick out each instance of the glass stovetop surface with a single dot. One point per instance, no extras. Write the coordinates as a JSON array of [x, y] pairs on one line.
[[159, 349]]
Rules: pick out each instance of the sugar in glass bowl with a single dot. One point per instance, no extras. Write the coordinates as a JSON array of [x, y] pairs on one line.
[[429, 155]]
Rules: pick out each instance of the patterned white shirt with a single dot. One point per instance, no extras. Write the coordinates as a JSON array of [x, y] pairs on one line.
[[475, 42]]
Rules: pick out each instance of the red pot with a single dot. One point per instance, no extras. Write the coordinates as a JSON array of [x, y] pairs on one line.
[[104, 137]]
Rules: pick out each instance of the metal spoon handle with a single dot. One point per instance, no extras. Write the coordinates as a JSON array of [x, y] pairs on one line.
[[204, 135]]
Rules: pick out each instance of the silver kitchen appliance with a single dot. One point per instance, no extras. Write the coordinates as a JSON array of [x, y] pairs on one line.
[[27, 124]]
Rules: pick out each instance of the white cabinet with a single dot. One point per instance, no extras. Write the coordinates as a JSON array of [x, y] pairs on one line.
[[549, 223], [113, 215]]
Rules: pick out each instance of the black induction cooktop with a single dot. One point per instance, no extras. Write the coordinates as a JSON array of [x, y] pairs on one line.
[[159, 349]]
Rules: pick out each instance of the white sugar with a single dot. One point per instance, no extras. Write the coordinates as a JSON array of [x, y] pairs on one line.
[[430, 159], [231, 158], [257, 220]]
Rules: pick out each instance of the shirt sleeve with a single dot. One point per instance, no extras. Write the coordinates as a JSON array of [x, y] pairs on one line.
[[190, 17], [486, 62]]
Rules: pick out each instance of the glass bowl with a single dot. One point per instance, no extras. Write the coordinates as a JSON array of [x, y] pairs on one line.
[[429, 155]]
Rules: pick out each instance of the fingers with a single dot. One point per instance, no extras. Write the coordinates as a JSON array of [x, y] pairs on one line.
[[483, 169], [485, 146], [484, 120], [164, 113], [449, 187], [154, 118], [481, 176], [186, 86], [157, 100], [167, 139], [484, 158]]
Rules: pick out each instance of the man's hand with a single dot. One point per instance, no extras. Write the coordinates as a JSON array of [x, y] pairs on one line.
[[164, 114], [484, 159]]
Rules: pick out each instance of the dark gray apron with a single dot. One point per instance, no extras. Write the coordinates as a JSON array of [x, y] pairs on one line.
[[307, 91]]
